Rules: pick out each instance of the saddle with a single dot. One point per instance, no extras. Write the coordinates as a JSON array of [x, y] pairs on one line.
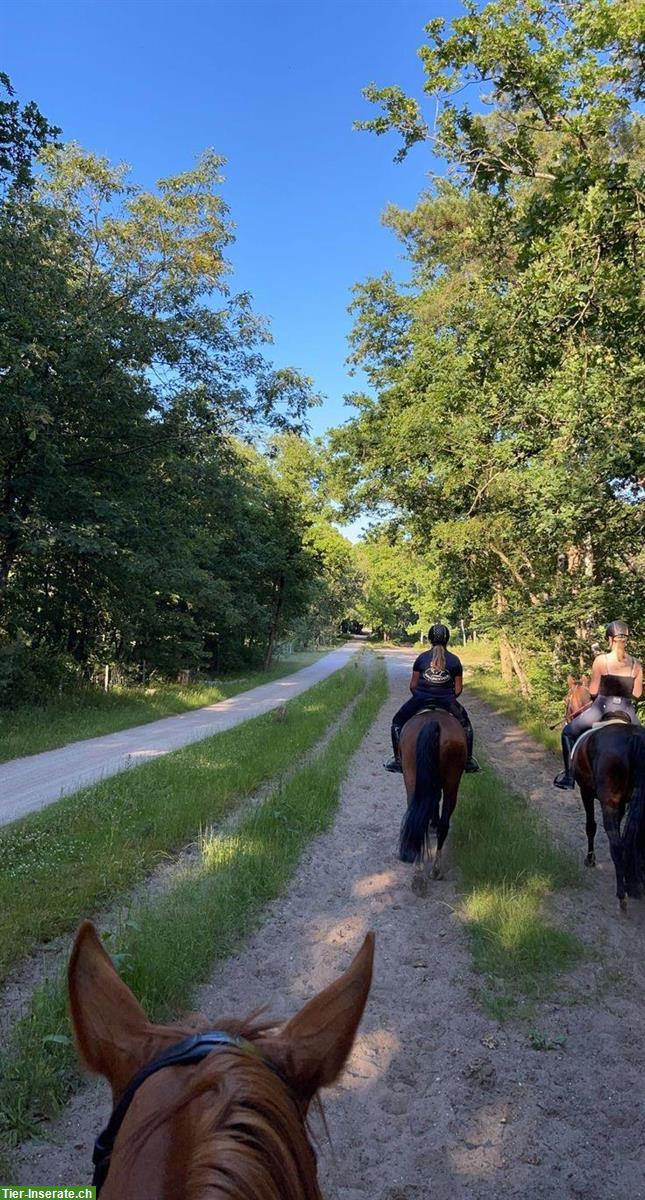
[[614, 719]]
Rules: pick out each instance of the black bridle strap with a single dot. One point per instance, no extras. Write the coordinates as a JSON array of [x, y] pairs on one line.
[[184, 1054]]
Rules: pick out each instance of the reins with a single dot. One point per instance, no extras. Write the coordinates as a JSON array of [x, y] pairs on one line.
[[571, 716], [184, 1054]]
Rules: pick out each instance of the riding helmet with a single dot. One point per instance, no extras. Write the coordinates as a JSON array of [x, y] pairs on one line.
[[617, 628], [439, 635]]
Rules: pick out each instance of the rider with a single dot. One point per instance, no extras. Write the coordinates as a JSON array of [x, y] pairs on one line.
[[436, 682], [616, 681]]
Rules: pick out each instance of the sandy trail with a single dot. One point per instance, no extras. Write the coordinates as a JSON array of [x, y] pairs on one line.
[[438, 1101]]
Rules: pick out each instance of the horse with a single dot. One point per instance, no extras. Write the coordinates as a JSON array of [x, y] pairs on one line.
[[213, 1115], [433, 756], [609, 764], [610, 768], [577, 698]]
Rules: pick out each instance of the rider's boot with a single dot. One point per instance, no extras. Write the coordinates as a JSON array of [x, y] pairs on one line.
[[565, 779], [394, 763], [472, 766]]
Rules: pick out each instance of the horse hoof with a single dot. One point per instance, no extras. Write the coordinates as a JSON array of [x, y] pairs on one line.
[[420, 884], [437, 872], [622, 900], [590, 860]]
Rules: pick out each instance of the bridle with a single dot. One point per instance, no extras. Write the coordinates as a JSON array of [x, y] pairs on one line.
[[184, 1054]]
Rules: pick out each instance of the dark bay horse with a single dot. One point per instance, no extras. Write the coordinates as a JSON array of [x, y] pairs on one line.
[[433, 756], [609, 765], [219, 1114]]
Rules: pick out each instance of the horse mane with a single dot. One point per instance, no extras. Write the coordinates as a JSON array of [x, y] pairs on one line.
[[251, 1139]]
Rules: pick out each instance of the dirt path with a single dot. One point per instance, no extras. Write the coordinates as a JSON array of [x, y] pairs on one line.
[[31, 783], [438, 1101]]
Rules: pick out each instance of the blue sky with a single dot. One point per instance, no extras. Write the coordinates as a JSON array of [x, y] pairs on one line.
[[274, 86]]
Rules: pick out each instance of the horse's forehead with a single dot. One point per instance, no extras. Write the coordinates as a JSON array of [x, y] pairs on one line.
[[152, 1165]]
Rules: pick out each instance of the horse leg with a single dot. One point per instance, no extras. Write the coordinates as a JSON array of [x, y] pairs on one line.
[[447, 809], [590, 825], [611, 820]]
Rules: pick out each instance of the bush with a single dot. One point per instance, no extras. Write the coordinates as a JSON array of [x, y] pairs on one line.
[[30, 675]]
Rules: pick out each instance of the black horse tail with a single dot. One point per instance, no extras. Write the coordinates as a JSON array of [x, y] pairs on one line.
[[423, 807], [634, 828]]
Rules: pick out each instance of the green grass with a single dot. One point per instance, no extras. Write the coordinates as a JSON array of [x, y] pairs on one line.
[[507, 865], [486, 682], [85, 850], [172, 941], [90, 712]]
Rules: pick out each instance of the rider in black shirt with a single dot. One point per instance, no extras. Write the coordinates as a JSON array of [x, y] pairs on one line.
[[436, 682]]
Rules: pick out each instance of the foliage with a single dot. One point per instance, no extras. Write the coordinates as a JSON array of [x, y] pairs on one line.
[[137, 525], [506, 431], [334, 572], [23, 133]]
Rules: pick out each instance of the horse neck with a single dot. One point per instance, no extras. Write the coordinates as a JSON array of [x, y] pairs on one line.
[[214, 1133], [577, 698]]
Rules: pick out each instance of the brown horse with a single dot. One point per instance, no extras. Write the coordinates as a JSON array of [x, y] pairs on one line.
[[610, 765], [219, 1115], [578, 697], [433, 756]]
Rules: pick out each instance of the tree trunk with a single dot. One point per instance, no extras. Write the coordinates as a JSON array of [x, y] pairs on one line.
[[525, 686], [505, 660], [273, 628]]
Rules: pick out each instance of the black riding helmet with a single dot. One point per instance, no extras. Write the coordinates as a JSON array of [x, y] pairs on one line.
[[617, 629], [439, 635]]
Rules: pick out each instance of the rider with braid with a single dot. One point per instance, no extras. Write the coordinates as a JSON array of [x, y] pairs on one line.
[[616, 681], [436, 682]]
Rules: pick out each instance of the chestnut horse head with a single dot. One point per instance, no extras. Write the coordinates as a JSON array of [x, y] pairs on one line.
[[231, 1124], [578, 696]]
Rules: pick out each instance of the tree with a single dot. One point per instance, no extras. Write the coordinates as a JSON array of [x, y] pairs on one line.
[[335, 579], [506, 432], [130, 371], [23, 133]]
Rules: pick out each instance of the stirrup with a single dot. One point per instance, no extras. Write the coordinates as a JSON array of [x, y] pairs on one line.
[[564, 781], [394, 765], [472, 766]]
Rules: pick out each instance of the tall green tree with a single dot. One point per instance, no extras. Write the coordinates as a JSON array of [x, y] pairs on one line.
[[507, 426], [131, 525]]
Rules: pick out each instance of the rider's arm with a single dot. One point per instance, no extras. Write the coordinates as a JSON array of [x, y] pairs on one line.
[[596, 676], [414, 681], [638, 683], [459, 685]]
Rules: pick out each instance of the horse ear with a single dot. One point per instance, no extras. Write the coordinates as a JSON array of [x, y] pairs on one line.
[[110, 1026], [319, 1039], [571, 681], [585, 681]]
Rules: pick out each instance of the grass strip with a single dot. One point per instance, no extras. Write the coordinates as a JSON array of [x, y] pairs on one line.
[[90, 712], [86, 849], [507, 864], [171, 942], [486, 682]]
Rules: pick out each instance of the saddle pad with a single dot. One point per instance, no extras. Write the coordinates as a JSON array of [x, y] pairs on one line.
[[594, 728]]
